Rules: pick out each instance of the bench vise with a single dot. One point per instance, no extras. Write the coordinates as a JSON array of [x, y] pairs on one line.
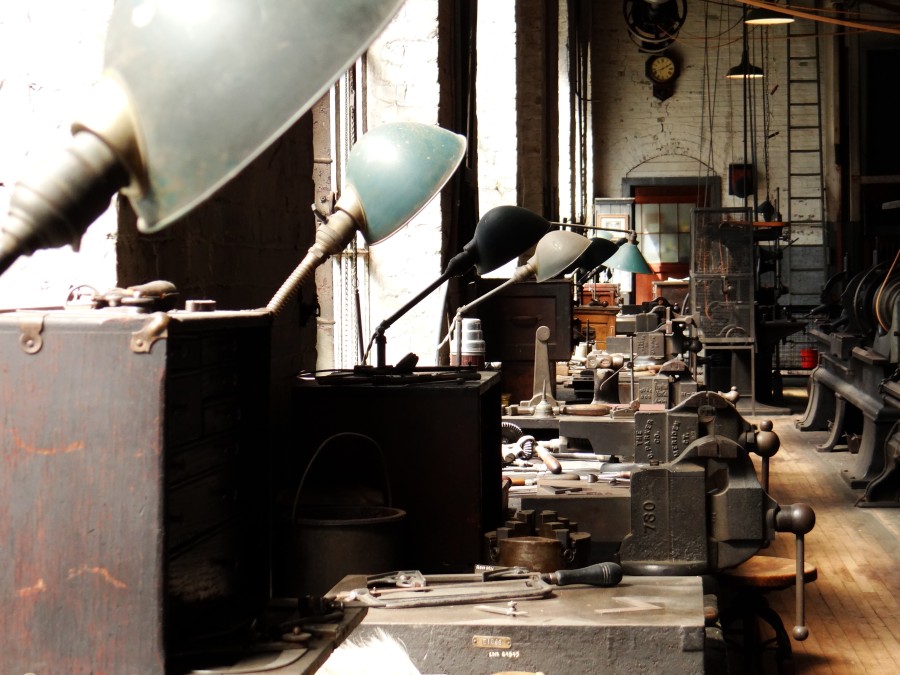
[[695, 504]]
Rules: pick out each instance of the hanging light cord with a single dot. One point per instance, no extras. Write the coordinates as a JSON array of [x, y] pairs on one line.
[[881, 321]]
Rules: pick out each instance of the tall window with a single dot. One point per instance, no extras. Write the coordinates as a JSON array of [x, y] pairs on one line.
[[662, 218]]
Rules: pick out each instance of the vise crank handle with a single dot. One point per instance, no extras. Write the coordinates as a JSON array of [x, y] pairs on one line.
[[600, 574], [765, 443], [799, 519]]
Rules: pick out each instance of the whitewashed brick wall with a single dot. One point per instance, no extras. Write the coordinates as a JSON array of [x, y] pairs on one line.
[[403, 86]]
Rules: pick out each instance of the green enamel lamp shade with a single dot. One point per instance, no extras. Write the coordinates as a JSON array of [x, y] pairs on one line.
[[211, 84], [392, 172], [555, 252], [629, 259], [396, 169]]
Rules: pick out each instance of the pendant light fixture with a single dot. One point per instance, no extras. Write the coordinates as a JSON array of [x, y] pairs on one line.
[[765, 16], [745, 69]]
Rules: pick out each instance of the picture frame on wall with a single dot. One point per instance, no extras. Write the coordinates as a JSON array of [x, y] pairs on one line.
[[613, 221]]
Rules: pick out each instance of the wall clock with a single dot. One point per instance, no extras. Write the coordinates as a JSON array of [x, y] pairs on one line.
[[662, 70]]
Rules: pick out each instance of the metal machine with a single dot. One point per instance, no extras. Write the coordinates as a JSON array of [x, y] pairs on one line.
[[854, 389]]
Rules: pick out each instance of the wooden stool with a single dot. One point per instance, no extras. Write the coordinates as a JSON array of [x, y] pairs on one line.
[[750, 581]]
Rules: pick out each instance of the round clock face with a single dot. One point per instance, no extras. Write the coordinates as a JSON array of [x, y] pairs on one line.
[[661, 69]]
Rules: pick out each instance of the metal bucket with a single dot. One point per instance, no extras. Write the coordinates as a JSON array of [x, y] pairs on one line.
[[538, 554], [809, 358], [323, 543]]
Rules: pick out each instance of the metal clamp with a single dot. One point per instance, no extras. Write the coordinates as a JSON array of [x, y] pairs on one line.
[[154, 328], [31, 325]]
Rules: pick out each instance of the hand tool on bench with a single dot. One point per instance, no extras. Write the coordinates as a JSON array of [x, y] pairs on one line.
[[411, 588]]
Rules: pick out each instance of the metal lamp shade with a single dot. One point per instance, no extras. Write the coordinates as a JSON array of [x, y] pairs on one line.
[[595, 255], [744, 69], [392, 172], [396, 169], [504, 233], [211, 84], [763, 16], [629, 259], [555, 252]]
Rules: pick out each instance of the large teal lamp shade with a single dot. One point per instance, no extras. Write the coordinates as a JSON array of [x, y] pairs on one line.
[[192, 92], [396, 169], [393, 171]]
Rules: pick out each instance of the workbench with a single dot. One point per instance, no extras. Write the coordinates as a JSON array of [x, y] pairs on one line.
[[642, 625], [605, 434]]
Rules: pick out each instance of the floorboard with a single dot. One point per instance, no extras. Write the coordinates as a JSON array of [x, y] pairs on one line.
[[853, 609]]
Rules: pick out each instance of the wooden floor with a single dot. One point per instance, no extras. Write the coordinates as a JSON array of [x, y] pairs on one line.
[[853, 609]]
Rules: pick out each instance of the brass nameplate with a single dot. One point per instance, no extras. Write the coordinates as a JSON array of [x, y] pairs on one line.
[[491, 642]]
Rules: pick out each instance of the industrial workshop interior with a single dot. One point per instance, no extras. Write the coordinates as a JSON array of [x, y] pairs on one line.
[[449, 337]]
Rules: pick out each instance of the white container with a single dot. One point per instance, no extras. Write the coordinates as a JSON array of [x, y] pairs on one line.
[[471, 350]]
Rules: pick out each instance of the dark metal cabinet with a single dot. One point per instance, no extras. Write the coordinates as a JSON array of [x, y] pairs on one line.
[[509, 322], [133, 489], [441, 447]]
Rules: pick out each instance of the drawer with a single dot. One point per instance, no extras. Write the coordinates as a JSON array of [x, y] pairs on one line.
[[198, 505], [188, 461]]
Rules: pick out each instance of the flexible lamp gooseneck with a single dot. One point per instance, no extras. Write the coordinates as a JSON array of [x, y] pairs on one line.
[[393, 171], [502, 234], [554, 253], [192, 92]]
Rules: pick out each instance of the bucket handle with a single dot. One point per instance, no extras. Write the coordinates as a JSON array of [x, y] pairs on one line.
[[386, 494]]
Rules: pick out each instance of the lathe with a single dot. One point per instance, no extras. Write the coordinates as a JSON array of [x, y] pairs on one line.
[[853, 390]]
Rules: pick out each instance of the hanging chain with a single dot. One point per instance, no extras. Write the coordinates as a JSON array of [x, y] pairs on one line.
[[767, 110]]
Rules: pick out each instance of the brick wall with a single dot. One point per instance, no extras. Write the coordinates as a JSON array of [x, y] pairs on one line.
[[403, 85], [700, 130]]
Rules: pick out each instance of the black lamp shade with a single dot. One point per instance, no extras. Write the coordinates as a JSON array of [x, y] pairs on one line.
[[744, 69], [598, 251], [503, 234]]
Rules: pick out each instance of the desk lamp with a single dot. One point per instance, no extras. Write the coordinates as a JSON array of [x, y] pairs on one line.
[[503, 233], [592, 261], [393, 171], [192, 92], [629, 257], [555, 252]]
